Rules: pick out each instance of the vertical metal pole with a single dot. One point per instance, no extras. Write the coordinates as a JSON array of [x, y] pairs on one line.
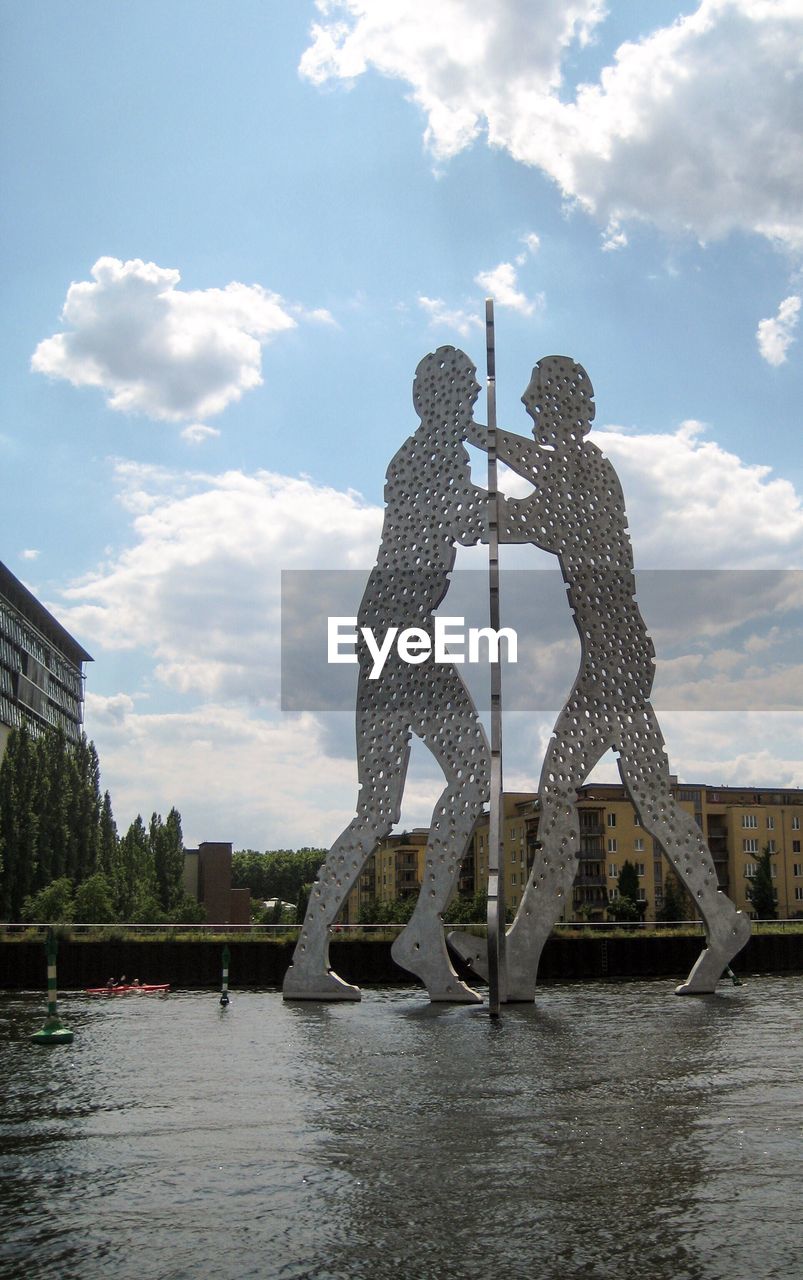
[[496, 878], [53, 1032], [224, 991]]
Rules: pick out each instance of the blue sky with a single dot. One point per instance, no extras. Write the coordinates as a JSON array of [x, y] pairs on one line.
[[265, 214]]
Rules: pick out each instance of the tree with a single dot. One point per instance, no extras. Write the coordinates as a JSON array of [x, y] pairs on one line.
[[136, 880], [761, 893], [472, 910], [108, 839], [51, 905], [56, 776], [627, 905], [675, 905], [85, 810], [94, 902], [279, 873], [302, 900], [19, 823], [167, 850]]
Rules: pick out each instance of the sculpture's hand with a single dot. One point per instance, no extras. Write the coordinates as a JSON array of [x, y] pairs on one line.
[[477, 435]]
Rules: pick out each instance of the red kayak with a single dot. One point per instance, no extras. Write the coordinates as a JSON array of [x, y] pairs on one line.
[[142, 989]]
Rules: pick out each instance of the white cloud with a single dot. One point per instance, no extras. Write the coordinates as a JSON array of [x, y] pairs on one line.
[[30, 553], [501, 284], [234, 774], [199, 589], [692, 503], [776, 335], [453, 318], [613, 237], [153, 348], [695, 127], [197, 433]]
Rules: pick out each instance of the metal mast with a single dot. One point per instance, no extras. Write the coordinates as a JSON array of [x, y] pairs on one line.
[[496, 880]]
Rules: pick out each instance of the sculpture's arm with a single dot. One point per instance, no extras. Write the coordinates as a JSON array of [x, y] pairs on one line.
[[520, 453]]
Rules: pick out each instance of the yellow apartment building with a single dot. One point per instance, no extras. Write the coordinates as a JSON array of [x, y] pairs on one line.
[[738, 823]]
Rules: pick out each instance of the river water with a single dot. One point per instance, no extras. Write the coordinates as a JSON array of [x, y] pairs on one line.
[[610, 1130]]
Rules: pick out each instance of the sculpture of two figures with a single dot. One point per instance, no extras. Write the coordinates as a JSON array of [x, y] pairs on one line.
[[576, 511]]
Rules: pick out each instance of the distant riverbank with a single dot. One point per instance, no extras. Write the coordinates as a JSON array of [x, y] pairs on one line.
[[190, 962]]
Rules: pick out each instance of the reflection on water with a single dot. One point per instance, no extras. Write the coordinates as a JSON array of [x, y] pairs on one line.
[[609, 1130]]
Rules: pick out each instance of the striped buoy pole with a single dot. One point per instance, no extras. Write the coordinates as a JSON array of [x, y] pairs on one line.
[[224, 993], [52, 1032]]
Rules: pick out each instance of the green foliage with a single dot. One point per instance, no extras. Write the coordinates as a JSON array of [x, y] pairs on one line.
[[19, 823], [279, 873], [467, 910], [188, 911], [302, 901], [108, 839], [627, 906], [761, 893], [94, 903], [167, 848], [393, 911], [676, 902], [51, 905]]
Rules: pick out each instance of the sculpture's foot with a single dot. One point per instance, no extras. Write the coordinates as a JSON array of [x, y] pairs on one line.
[[724, 944], [472, 950], [322, 984], [430, 962], [521, 963]]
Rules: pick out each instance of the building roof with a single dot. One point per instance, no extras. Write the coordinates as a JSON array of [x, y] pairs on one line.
[[36, 613]]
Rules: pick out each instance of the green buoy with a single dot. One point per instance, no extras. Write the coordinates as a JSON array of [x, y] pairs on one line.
[[53, 1032]]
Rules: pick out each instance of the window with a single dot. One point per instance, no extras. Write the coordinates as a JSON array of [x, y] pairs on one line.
[[613, 894], [641, 896], [797, 869], [636, 820], [749, 820], [771, 846], [750, 869], [640, 869], [513, 878], [612, 844], [611, 819], [613, 870], [796, 824], [795, 846], [750, 846], [799, 893], [770, 822], [638, 844]]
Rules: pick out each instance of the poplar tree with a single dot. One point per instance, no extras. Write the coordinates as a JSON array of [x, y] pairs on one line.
[[108, 840], [761, 893], [19, 823]]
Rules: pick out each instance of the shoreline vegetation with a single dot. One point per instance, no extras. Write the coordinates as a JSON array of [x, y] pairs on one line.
[[288, 933], [259, 957]]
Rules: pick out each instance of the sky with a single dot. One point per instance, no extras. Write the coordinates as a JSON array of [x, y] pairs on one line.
[[229, 233]]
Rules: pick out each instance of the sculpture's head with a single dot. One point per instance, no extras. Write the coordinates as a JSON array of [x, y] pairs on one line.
[[560, 401], [445, 389]]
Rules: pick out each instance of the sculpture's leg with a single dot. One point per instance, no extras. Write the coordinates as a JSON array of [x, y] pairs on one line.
[[382, 768], [550, 882], [452, 731], [644, 770]]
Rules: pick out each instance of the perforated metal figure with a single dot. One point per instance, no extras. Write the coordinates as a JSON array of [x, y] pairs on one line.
[[577, 512], [430, 504]]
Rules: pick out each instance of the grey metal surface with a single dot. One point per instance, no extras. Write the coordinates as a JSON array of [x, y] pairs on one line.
[[430, 505], [577, 512], [496, 880]]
